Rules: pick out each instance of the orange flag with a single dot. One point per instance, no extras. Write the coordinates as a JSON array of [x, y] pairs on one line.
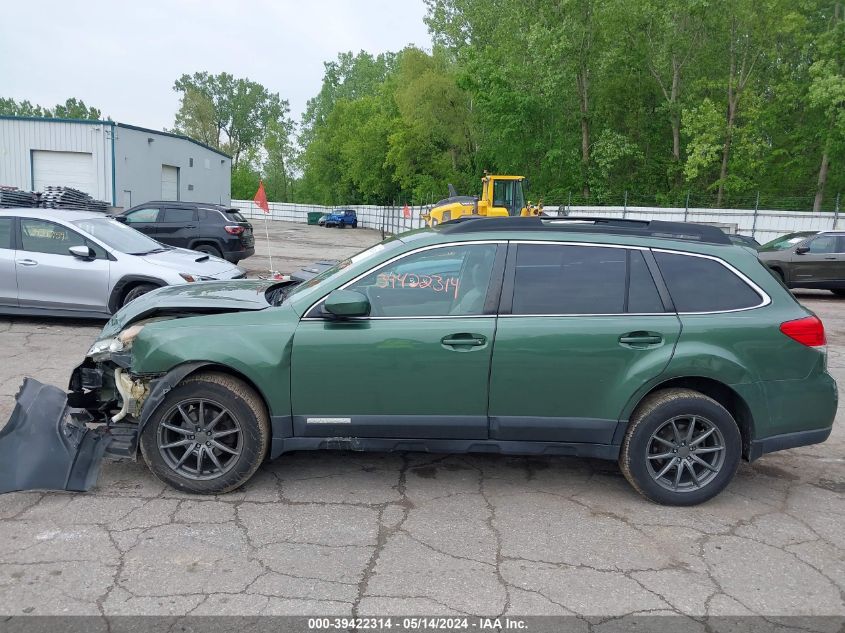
[[261, 197]]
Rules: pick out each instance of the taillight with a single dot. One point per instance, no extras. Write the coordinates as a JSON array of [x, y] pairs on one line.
[[808, 331], [234, 230]]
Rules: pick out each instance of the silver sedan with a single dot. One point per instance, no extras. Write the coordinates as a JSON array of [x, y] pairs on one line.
[[77, 263]]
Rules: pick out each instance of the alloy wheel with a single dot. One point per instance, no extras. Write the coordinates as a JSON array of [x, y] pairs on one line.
[[685, 453], [200, 439]]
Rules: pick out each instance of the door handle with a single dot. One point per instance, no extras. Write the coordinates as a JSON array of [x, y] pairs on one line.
[[640, 339], [27, 262], [463, 340], [831, 257]]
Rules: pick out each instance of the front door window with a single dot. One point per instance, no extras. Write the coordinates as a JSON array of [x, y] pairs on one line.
[[450, 281]]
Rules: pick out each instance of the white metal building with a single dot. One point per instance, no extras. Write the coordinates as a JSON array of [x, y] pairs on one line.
[[121, 164]]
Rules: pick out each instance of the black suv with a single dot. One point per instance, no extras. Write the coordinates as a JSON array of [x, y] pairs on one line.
[[208, 228]]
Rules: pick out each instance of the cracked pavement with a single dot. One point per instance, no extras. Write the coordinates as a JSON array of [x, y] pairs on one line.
[[379, 534]]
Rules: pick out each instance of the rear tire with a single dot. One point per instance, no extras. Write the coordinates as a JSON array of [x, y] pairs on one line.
[[354, 225], [184, 446], [209, 250], [135, 292], [660, 444]]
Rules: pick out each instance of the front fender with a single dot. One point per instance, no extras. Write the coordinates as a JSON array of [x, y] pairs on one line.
[[255, 345]]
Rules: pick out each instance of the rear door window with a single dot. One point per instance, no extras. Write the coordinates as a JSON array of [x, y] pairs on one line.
[[643, 296], [558, 279], [180, 216], [700, 284]]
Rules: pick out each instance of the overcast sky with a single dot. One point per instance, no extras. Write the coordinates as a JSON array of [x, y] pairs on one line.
[[123, 57]]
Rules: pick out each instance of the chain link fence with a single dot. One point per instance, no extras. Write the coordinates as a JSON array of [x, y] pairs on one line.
[[761, 224]]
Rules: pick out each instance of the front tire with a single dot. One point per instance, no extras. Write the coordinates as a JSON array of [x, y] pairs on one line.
[[681, 448], [137, 291], [208, 436]]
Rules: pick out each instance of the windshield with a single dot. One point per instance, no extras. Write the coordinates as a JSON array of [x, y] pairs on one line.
[[785, 241], [119, 236], [363, 256]]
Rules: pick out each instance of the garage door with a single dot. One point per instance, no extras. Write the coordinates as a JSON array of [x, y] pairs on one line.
[[63, 169], [169, 182]]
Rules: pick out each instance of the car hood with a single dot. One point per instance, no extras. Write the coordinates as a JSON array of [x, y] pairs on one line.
[[184, 261], [205, 297]]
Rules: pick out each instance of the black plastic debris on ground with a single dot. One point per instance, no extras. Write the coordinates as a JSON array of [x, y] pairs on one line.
[[51, 198]]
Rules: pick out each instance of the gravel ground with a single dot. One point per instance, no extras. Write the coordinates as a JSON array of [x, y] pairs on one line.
[[343, 533]]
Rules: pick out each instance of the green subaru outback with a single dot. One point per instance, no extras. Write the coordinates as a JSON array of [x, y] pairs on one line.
[[659, 345]]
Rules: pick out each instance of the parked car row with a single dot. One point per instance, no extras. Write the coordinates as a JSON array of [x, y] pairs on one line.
[[87, 264]]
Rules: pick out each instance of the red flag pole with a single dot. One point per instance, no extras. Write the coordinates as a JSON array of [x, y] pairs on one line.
[[269, 250], [261, 200]]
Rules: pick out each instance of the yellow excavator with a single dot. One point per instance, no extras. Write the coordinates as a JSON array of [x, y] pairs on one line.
[[501, 196]]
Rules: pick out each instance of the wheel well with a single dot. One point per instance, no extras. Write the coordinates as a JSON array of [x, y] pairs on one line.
[[722, 394], [206, 242], [134, 284], [126, 284], [225, 369]]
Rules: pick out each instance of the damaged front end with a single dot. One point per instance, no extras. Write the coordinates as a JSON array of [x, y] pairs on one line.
[[57, 440]]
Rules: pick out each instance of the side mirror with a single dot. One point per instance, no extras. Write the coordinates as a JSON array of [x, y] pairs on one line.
[[802, 249], [83, 252], [120, 218], [347, 303]]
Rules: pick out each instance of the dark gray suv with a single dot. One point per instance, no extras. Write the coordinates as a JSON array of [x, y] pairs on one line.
[[808, 259], [215, 229]]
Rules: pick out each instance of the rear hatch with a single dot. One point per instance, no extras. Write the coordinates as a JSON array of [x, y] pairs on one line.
[[235, 218]]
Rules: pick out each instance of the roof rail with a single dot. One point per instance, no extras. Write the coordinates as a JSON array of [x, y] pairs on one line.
[[647, 228]]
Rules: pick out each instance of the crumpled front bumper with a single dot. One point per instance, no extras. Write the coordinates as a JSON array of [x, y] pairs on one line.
[[47, 445]]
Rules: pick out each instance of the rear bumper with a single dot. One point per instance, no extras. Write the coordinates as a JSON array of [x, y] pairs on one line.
[[782, 442], [236, 256]]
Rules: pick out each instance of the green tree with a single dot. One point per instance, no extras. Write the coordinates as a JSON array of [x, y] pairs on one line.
[[724, 99], [238, 109], [71, 109], [827, 95]]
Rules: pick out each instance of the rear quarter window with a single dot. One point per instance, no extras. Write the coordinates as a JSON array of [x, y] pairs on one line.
[[699, 284], [235, 215]]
